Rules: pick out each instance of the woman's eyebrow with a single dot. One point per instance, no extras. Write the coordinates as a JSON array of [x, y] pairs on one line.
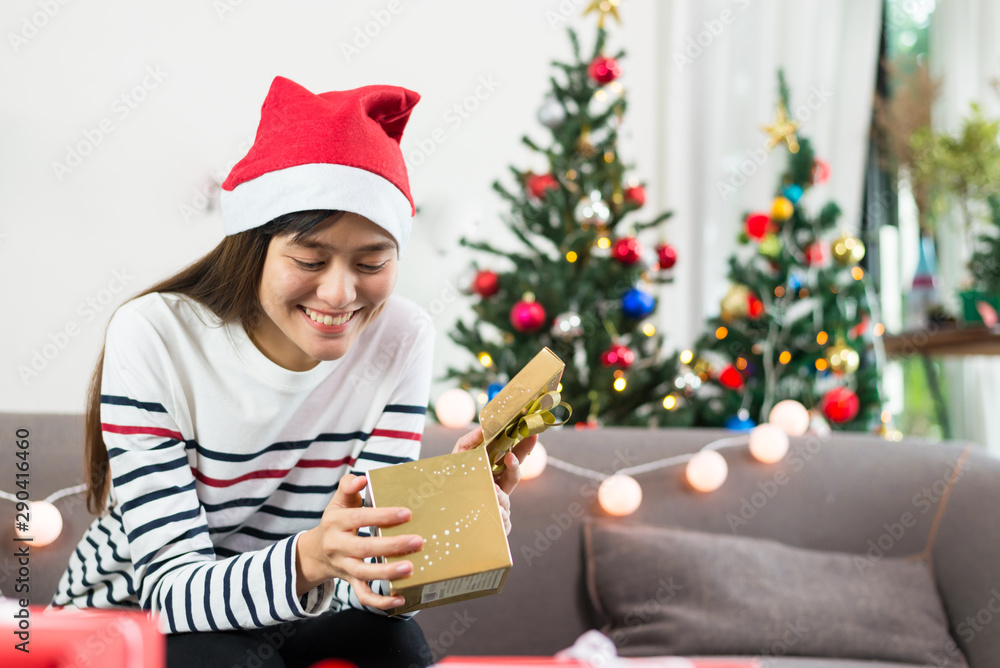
[[314, 244]]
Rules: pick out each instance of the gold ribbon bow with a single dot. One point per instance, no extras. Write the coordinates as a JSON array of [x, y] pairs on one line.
[[537, 418]]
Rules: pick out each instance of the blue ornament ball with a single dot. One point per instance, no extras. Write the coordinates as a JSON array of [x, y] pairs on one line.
[[493, 389], [793, 193], [795, 281], [637, 304], [738, 423]]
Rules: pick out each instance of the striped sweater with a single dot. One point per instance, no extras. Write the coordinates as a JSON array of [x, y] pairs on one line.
[[220, 459]]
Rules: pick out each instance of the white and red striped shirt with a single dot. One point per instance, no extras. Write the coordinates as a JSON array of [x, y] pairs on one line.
[[221, 458]]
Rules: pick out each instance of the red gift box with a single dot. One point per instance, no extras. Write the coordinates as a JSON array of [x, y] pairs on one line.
[[78, 638]]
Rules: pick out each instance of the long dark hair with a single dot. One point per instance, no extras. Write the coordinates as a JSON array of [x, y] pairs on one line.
[[227, 282]]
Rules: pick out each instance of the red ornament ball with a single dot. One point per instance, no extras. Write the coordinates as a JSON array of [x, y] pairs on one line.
[[527, 315], [731, 378], [486, 283], [604, 70], [667, 256], [820, 171], [818, 254], [627, 250], [619, 356], [537, 184], [840, 405], [635, 195], [757, 225]]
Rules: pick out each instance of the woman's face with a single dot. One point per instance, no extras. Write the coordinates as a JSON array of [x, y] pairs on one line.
[[320, 292]]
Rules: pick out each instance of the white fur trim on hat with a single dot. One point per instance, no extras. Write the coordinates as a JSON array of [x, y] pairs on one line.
[[318, 186]]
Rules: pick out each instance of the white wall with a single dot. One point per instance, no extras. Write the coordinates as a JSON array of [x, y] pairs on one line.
[[74, 245]]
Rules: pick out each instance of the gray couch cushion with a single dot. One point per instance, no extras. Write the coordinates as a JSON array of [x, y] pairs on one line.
[[674, 591]]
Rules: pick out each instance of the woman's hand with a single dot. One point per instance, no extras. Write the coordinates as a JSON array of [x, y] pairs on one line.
[[334, 550], [511, 475]]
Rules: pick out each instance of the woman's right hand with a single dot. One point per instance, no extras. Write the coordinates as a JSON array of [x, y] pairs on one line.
[[334, 550]]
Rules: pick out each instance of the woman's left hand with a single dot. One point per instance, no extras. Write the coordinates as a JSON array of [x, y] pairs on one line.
[[506, 481]]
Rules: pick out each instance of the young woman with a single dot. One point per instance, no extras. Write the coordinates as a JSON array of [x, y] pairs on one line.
[[237, 405]]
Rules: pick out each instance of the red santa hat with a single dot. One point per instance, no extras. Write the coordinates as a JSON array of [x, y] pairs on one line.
[[337, 150]]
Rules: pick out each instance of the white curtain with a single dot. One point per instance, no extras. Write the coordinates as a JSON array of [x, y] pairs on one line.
[[965, 55], [719, 61]]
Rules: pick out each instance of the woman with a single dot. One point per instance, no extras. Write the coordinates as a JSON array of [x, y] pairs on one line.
[[237, 405]]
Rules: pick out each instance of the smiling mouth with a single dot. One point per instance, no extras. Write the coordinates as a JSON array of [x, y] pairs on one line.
[[323, 319]]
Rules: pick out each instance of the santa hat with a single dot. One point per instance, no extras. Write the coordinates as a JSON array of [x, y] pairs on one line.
[[337, 150]]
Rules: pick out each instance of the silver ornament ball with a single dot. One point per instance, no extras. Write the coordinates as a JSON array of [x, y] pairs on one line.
[[567, 326], [592, 209], [551, 114]]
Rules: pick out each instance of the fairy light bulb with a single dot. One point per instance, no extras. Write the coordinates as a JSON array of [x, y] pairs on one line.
[[791, 416], [619, 495], [768, 443], [45, 525], [455, 408], [707, 470], [533, 465]]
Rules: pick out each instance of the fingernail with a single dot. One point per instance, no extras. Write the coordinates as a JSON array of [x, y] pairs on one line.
[[403, 514], [398, 601], [404, 567], [416, 543]]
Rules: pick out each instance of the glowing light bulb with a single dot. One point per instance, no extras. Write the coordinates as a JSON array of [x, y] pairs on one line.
[[768, 443], [619, 495], [707, 470], [533, 465], [455, 408], [791, 416], [45, 525]]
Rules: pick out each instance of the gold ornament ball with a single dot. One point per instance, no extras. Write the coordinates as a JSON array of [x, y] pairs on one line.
[[782, 208], [735, 303], [848, 250], [842, 359]]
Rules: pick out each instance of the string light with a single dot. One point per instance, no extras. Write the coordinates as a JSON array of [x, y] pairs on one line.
[[790, 416], [707, 470], [571, 256], [485, 359], [670, 402], [482, 398], [455, 408], [821, 364], [878, 329], [686, 357], [721, 333], [619, 495], [533, 465], [858, 273], [603, 242], [768, 443], [648, 329], [785, 357], [779, 292], [619, 384], [822, 338], [45, 523]]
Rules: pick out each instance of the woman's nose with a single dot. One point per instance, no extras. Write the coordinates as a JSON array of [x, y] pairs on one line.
[[337, 288]]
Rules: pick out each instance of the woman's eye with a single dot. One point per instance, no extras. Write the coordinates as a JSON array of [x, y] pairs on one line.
[[372, 267], [311, 266]]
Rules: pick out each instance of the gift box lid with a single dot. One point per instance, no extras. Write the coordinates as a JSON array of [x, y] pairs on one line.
[[542, 374]]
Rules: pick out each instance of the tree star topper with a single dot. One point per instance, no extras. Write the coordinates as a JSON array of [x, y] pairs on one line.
[[604, 7], [782, 129]]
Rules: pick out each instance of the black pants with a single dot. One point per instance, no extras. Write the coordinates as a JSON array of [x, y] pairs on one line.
[[357, 636]]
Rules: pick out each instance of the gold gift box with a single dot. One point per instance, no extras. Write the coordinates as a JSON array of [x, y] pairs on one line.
[[455, 510], [454, 502]]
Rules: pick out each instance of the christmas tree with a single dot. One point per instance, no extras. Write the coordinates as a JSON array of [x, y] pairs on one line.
[[985, 262], [795, 323], [579, 280]]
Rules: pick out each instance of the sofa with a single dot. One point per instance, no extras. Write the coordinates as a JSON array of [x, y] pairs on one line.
[[856, 499]]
